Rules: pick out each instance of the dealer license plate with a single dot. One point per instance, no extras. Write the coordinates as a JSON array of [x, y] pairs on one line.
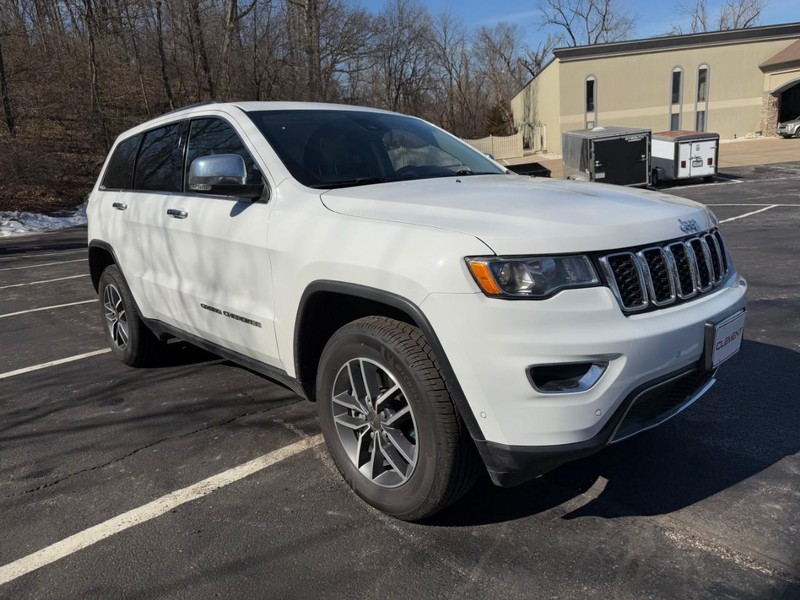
[[724, 339]]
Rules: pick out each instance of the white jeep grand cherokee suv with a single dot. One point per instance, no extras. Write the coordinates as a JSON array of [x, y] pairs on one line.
[[443, 312]]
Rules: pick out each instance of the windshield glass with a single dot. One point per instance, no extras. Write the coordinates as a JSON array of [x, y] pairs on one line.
[[329, 149]]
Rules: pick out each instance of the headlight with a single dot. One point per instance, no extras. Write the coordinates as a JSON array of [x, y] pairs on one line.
[[531, 277]]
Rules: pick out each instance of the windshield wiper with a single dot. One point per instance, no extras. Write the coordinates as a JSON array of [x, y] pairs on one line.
[[463, 172], [348, 183]]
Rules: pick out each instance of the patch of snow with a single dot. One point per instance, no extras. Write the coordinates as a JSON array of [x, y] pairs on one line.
[[16, 223]]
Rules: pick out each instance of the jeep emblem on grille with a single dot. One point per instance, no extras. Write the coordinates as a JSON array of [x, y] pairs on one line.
[[689, 226]]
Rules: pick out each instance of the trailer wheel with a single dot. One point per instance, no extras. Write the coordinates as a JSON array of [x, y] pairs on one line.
[[654, 180]]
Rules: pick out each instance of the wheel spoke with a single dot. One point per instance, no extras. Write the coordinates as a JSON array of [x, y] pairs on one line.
[[371, 381], [400, 415], [398, 441], [357, 383], [393, 457], [350, 422], [386, 395], [362, 454], [347, 400], [122, 330]]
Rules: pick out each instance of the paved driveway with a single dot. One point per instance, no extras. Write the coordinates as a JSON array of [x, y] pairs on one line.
[[200, 479]]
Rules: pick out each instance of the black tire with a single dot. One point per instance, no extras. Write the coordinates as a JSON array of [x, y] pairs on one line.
[[708, 178], [126, 334], [797, 133], [446, 461], [654, 180]]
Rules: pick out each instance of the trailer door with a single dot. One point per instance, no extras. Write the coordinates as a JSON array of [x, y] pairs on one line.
[[684, 170], [703, 158], [621, 160]]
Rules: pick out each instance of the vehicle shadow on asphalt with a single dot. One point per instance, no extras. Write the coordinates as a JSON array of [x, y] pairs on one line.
[[747, 423]]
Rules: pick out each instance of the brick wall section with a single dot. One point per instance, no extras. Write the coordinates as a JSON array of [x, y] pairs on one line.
[[769, 114]]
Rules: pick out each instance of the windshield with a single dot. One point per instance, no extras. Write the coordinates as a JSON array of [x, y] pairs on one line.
[[329, 149]]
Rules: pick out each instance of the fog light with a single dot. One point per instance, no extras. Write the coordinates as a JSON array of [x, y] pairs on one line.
[[565, 378]]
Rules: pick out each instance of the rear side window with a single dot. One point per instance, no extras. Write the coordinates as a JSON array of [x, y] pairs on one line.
[[215, 136], [160, 161], [119, 173]]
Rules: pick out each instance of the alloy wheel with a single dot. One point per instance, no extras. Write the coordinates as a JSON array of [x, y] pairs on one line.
[[375, 422]]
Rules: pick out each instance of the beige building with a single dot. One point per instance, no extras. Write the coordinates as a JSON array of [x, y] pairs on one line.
[[735, 83]]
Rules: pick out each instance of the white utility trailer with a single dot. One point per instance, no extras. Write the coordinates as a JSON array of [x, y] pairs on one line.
[[683, 155]]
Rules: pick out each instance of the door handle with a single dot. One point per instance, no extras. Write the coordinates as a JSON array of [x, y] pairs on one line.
[[177, 213], [120, 205]]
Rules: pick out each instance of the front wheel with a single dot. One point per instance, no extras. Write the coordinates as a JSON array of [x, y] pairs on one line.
[[389, 422]]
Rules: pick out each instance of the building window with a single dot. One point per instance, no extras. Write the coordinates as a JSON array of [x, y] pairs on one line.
[[677, 75], [676, 99], [701, 107], [591, 102]]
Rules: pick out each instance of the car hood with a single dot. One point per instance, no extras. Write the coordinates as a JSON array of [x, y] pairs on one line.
[[522, 215]]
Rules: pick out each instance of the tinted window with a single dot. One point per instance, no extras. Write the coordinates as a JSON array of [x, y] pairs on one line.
[[590, 95], [676, 87], [119, 173], [159, 165], [215, 136], [702, 84]]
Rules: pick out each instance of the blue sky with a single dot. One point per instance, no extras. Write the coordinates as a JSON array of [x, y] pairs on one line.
[[652, 17]]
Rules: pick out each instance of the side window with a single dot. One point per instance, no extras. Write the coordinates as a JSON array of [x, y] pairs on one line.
[[119, 172], [215, 136], [159, 164]]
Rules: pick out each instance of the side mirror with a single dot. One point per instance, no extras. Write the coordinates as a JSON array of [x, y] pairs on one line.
[[222, 174]]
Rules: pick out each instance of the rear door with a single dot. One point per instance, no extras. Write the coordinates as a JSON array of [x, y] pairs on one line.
[[622, 161], [703, 158], [145, 261], [217, 253], [684, 169]]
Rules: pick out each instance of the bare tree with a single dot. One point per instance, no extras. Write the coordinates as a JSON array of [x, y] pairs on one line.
[[4, 92], [586, 22], [403, 56], [733, 14], [536, 58]]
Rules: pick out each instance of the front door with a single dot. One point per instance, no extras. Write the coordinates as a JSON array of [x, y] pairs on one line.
[[217, 252]]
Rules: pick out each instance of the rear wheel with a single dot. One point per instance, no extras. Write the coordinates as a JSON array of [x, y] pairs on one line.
[[128, 337], [389, 422]]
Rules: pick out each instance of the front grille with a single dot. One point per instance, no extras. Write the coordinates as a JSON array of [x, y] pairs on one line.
[[660, 402], [667, 273]]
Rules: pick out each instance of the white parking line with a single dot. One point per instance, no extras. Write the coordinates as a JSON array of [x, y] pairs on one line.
[[61, 262], [149, 511], [23, 255], [760, 204], [53, 363], [33, 310], [755, 212], [13, 285]]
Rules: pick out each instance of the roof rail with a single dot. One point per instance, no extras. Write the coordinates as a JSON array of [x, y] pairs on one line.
[[188, 106]]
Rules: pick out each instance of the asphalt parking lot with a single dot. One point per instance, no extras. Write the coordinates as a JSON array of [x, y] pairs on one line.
[[100, 463]]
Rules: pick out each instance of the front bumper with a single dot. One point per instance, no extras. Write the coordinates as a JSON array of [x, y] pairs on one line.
[[490, 343], [642, 409]]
